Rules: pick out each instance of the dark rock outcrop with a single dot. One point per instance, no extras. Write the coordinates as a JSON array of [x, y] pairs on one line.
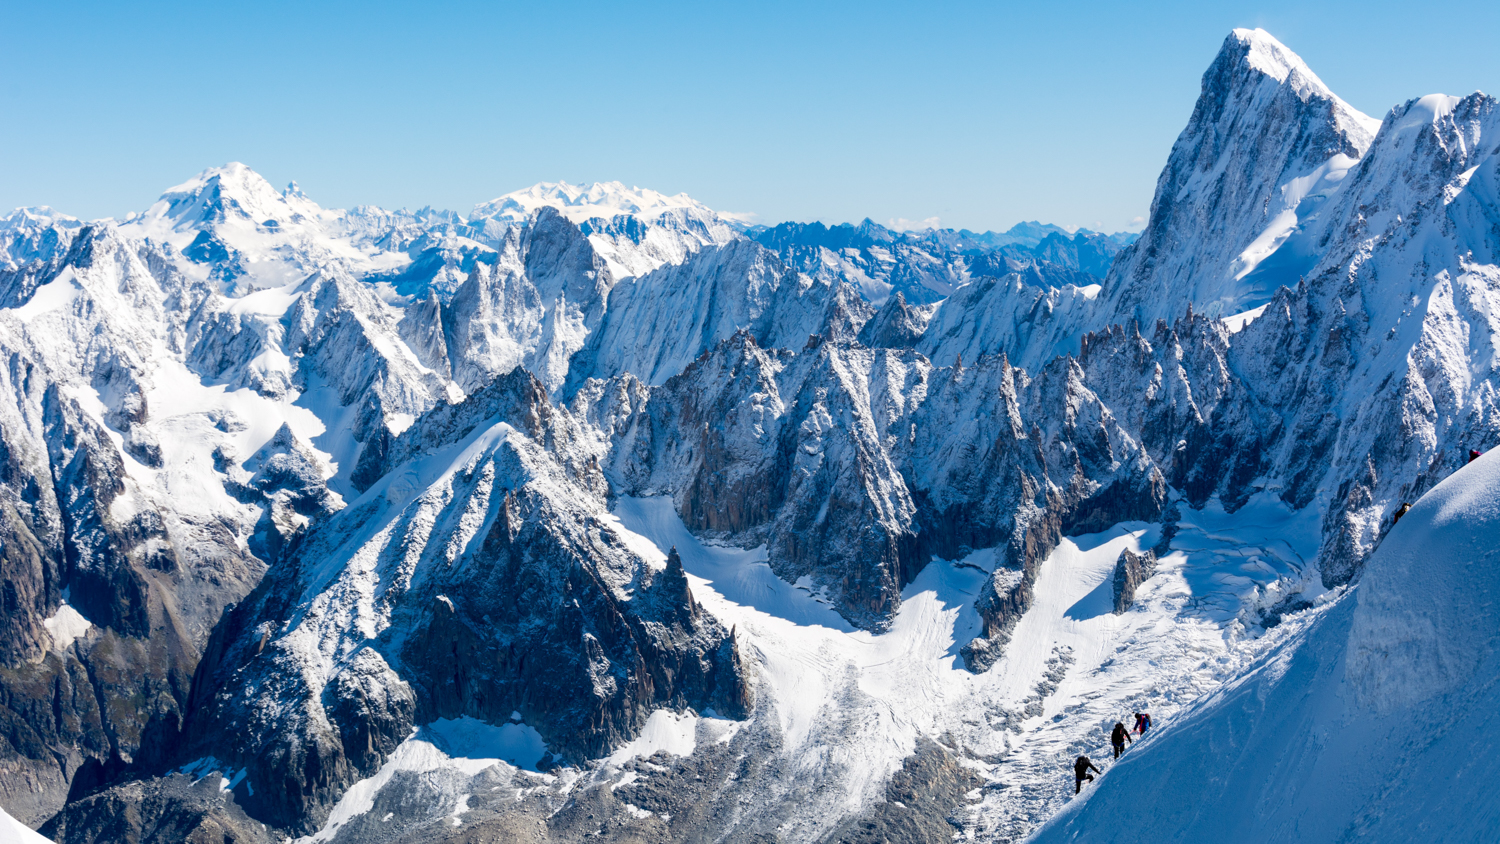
[[166, 810], [1131, 570], [856, 465], [896, 325], [525, 603], [923, 801], [76, 538]]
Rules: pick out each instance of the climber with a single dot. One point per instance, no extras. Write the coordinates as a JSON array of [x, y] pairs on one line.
[[1474, 454], [1118, 737], [1142, 723], [1081, 768], [1400, 511]]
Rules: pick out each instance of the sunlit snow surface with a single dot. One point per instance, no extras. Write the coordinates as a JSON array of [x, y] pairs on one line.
[[65, 626], [13, 831], [1372, 719], [1187, 635], [846, 707]]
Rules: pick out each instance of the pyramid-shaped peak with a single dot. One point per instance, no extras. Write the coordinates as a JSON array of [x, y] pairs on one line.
[[1265, 134], [233, 177], [1263, 52], [1252, 59], [230, 191]]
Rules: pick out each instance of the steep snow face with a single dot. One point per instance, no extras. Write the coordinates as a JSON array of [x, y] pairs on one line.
[[1268, 145], [1382, 365], [1371, 374], [1031, 316], [658, 324], [581, 203], [1369, 721], [194, 393]]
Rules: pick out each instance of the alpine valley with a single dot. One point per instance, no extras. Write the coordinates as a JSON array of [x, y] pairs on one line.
[[599, 515]]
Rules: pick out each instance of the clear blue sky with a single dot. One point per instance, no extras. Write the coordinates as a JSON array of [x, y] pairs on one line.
[[978, 114]]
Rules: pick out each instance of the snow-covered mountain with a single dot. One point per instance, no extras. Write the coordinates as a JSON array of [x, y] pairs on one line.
[[1268, 145], [581, 203], [595, 514], [1367, 719]]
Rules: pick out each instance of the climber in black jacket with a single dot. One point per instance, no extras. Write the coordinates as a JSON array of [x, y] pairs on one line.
[[1081, 769], [1118, 737]]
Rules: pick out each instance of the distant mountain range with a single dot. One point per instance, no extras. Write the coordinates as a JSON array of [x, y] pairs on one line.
[[598, 514]]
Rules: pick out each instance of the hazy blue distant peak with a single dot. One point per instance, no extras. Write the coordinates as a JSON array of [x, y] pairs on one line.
[[1032, 233], [869, 233]]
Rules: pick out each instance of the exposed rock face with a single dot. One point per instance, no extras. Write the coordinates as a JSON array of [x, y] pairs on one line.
[[921, 801], [489, 587], [239, 379], [1335, 396], [925, 266], [532, 308], [1086, 252], [1131, 570], [287, 478], [1266, 146], [855, 465], [161, 811], [1033, 314], [876, 260], [35, 244], [103, 604], [896, 325], [780, 448], [661, 322]]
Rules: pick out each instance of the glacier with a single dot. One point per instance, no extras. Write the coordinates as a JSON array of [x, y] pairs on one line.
[[598, 513]]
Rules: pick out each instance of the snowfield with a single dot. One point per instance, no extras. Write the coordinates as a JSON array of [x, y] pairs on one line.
[[597, 514], [1072, 668], [1372, 719], [848, 706]]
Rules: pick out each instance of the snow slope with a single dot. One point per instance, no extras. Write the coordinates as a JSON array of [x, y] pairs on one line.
[[1374, 721], [221, 373], [840, 710], [13, 831], [851, 705]]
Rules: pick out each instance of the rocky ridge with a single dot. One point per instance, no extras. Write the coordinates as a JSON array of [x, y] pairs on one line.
[[280, 485]]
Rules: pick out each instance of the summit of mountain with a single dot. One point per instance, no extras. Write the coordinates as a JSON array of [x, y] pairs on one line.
[[361, 525], [1267, 146]]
